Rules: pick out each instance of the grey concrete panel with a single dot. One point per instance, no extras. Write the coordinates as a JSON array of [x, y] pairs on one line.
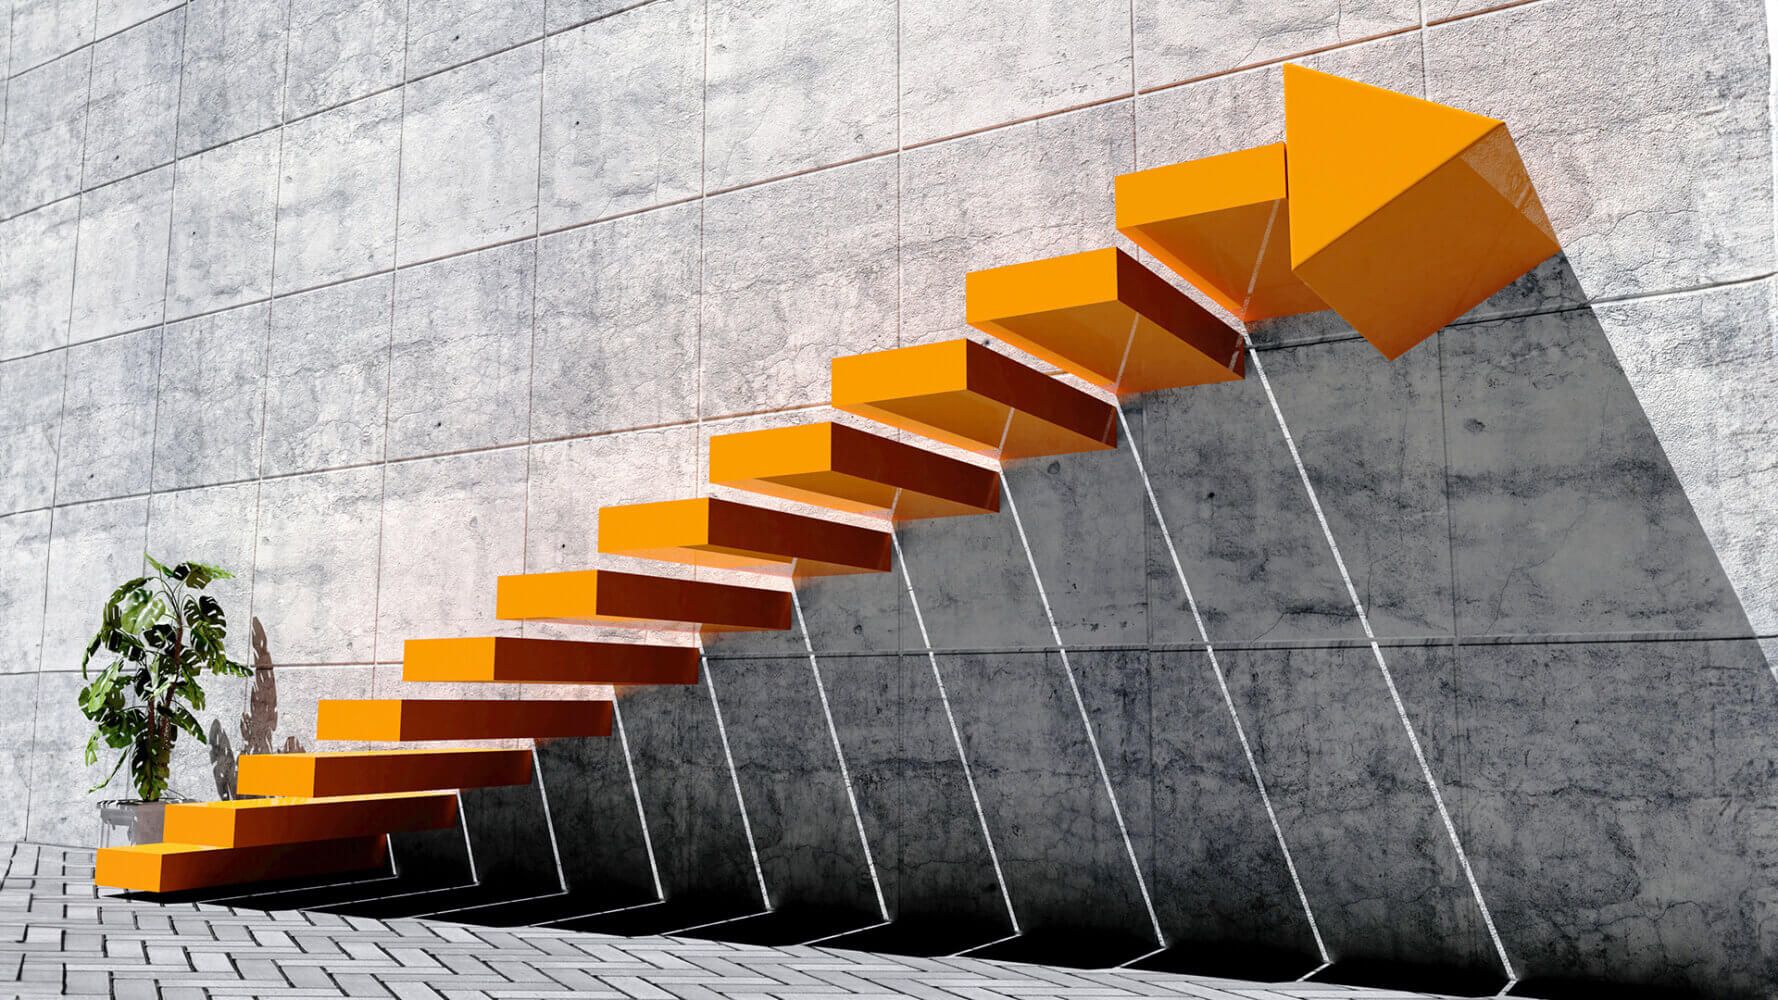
[[1178, 40], [1246, 533], [62, 809], [340, 51], [469, 156], [108, 418], [30, 425], [37, 278], [92, 548], [788, 92], [605, 857], [45, 29], [1043, 796], [135, 99], [451, 527], [617, 325], [1371, 434], [794, 274], [225, 210], [451, 32], [796, 797], [622, 113], [315, 569], [120, 282], [233, 83], [1566, 515], [1221, 882], [24, 553], [212, 399], [571, 480], [966, 67], [45, 131], [460, 372], [1356, 810], [327, 377], [336, 193], [1615, 800], [15, 767], [973, 585], [116, 15], [1035, 190], [688, 795]]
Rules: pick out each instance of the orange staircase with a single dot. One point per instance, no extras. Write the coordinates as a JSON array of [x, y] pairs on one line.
[[1255, 231]]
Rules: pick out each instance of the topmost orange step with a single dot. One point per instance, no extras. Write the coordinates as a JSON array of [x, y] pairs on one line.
[[1107, 319], [964, 394]]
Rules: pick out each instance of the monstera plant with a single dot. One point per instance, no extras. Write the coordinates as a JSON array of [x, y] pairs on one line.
[[161, 634]]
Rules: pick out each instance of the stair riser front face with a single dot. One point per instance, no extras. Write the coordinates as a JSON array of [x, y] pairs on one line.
[[842, 468], [177, 868], [512, 660], [417, 721], [373, 772], [261, 822]]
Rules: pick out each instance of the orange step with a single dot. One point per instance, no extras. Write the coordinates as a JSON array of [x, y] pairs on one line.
[[962, 393], [614, 598], [370, 772], [1104, 317], [1223, 223], [262, 822], [401, 720], [836, 466], [513, 660], [177, 867], [721, 533]]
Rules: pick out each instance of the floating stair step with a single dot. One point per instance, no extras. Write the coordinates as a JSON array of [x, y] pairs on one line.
[[962, 393], [613, 598], [513, 660], [836, 466], [1223, 223], [371, 772], [262, 822], [721, 533], [1106, 318], [401, 720], [171, 867]]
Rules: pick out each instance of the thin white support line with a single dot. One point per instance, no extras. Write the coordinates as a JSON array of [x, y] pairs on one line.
[[1401, 711], [983, 945], [734, 776], [1222, 686], [841, 934], [944, 699], [549, 821], [1145, 955], [623, 741], [468, 847], [1086, 720], [839, 752], [713, 923], [1312, 973], [599, 913]]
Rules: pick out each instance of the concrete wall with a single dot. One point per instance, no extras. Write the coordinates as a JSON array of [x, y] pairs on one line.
[[372, 301]]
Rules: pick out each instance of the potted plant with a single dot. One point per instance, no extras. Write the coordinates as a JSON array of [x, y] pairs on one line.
[[161, 634]]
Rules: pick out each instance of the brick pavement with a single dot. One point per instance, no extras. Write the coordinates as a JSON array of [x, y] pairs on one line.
[[60, 937]]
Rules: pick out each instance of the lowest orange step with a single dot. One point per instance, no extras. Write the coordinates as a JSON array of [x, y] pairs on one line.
[[832, 465], [368, 772], [262, 822], [179, 867], [721, 533]]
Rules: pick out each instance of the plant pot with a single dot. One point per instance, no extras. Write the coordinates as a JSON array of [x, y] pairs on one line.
[[131, 821]]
